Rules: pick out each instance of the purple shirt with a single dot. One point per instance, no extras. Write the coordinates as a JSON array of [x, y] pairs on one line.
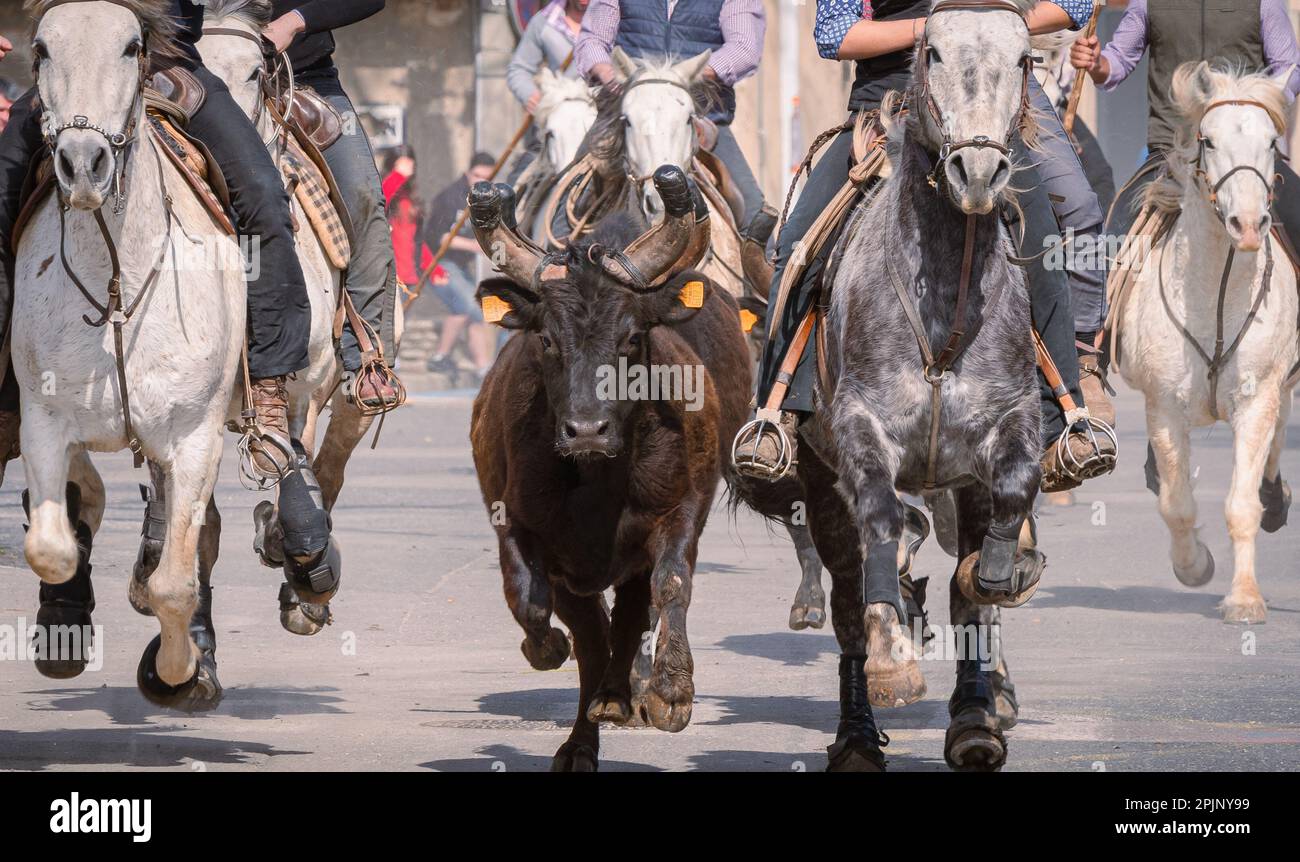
[[743, 26], [1280, 50]]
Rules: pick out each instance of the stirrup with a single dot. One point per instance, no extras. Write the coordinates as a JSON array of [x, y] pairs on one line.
[[349, 385], [1099, 461], [751, 434], [249, 476]]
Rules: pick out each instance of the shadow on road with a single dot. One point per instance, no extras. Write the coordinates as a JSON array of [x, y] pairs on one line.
[[124, 705], [149, 747], [793, 649]]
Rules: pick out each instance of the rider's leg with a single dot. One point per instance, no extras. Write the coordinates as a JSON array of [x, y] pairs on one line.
[[19, 144], [728, 152], [763, 450], [1286, 203], [279, 312], [372, 274]]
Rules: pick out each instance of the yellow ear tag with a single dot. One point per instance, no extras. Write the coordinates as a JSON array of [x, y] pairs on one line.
[[747, 319], [494, 309], [692, 295]]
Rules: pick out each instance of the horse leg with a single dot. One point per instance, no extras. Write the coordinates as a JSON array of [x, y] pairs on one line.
[[152, 534], [809, 608], [585, 617], [974, 740], [531, 601], [51, 545], [669, 697], [346, 428], [65, 609], [1171, 443], [1253, 429], [201, 627], [857, 740], [169, 673], [1274, 492], [613, 701]]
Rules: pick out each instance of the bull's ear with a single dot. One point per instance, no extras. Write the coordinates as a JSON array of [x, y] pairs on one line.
[[508, 305], [677, 301]]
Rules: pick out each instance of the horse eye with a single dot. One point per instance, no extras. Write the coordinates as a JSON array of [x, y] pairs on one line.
[[1209, 144], [254, 75], [932, 55], [41, 52], [132, 49]]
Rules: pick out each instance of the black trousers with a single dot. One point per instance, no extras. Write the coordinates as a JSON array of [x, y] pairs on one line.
[[279, 312], [1049, 289]]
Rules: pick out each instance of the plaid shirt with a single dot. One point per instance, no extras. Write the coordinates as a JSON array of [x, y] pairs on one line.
[[836, 17]]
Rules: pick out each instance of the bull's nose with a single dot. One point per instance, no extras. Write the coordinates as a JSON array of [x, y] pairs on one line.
[[586, 429]]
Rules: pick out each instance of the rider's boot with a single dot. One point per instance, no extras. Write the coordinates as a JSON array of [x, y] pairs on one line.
[[1092, 380], [753, 248], [376, 388], [270, 451], [764, 447]]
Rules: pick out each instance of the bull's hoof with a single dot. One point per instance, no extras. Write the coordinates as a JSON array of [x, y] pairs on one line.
[[1244, 612], [302, 618], [550, 653], [1027, 574], [1276, 497], [52, 619], [665, 715], [974, 742], [610, 707], [855, 754], [200, 693], [807, 616], [1200, 572], [575, 757]]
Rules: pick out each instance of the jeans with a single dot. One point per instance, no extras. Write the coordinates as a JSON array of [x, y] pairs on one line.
[[371, 278], [728, 152]]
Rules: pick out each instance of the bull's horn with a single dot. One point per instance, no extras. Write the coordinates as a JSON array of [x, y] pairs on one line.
[[509, 253], [655, 251]]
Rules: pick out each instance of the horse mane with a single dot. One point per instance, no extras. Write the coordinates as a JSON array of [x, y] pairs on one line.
[[160, 28], [607, 138], [257, 13], [560, 89], [1191, 100]]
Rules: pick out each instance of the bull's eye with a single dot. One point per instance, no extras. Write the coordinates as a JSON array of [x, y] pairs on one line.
[[546, 342], [634, 340]]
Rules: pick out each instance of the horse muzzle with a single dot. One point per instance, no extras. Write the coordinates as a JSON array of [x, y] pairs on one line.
[[1248, 231], [976, 177], [84, 165]]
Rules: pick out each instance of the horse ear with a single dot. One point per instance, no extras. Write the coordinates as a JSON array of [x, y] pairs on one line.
[[694, 67], [1201, 80], [545, 78], [508, 305], [1283, 78], [623, 64]]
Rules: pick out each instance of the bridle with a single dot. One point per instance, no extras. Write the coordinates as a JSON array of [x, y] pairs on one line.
[[276, 67], [114, 308], [926, 95], [639, 181], [1202, 143]]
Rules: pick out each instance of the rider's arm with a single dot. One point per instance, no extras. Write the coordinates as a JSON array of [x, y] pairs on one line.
[[5, 47], [1110, 66], [323, 15], [1053, 15], [592, 49], [744, 24], [1280, 49], [526, 62]]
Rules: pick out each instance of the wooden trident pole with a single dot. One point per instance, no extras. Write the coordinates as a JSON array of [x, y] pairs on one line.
[[1080, 77], [414, 294]]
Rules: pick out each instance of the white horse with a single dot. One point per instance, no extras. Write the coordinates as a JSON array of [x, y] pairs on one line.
[[564, 114], [180, 346], [1209, 330]]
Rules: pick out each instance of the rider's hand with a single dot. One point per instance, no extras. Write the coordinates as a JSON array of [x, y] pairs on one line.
[[5, 47], [283, 30], [1085, 54], [531, 105], [603, 73]]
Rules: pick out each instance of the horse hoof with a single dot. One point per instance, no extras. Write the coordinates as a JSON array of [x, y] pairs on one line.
[[575, 757], [54, 619], [200, 693], [1276, 497], [1244, 613], [550, 653], [268, 536], [807, 617], [1029, 565], [855, 754], [609, 707], [663, 715], [1200, 572], [901, 686], [302, 618], [974, 742]]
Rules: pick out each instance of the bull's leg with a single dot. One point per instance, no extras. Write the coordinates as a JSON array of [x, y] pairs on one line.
[[585, 617], [1171, 442], [1274, 493], [528, 593], [1253, 429], [974, 740], [613, 701], [670, 694], [809, 607], [1006, 571], [857, 741]]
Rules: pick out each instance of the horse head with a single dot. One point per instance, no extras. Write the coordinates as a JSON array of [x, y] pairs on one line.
[[970, 95], [1234, 123], [90, 62], [232, 48], [564, 115], [652, 123]]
